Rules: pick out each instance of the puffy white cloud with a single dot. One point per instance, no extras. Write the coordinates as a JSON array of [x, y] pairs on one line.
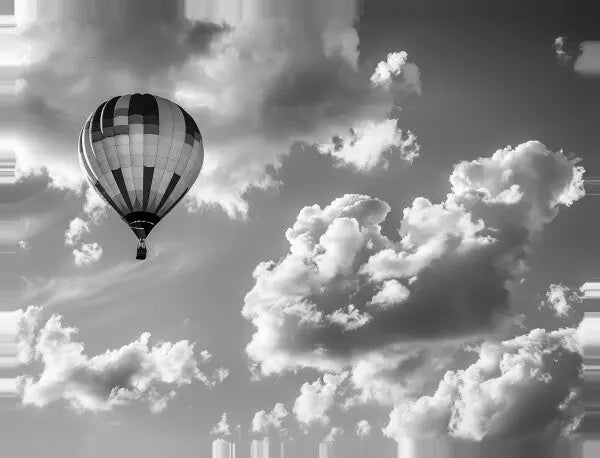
[[94, 206], [371, 144], [316, 398], [392, 292], [351, 319], [396, 65], [333, 434], [135, 372], [17, 334], [516, 387], [222, 428], [560, 299], [88, 253], [458, 258], [77, 228], [263, 421], [363, 428]]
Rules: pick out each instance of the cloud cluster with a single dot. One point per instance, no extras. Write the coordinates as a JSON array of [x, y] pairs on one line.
[[88, 253], [136, 372], [333, 434], [516, 387], [94, 208], [270, 78], [317, 398], [396, 65], [560, 298], [345, 290], [371, 144], [17, 335], [222, 428], [263, 421], [77, 228], [363, 429], [392, 313]]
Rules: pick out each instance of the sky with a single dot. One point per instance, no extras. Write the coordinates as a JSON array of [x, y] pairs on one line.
[[385, 244]]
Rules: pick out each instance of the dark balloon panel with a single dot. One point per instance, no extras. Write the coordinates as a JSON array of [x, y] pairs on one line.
[[142, 153]]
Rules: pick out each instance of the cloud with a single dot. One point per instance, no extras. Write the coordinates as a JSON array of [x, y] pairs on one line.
[[559, 298], [333, 434], [264, 421], [94, 206], [317, 398], [363, 429], [17, 334], [77, 227], [110, 283], [396, 65], [89, 253], [459, 259], [296, 70], [392, 292], [559, 49], [222, 428], [136, 372], [515, 388], [350, 320], [370, 143]]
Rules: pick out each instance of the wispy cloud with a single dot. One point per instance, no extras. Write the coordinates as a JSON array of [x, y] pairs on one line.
[[164, 261]]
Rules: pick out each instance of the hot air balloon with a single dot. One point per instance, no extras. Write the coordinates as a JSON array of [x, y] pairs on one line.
[[142, 153]]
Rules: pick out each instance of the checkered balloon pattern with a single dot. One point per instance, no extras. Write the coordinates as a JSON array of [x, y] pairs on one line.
[[142, 153]]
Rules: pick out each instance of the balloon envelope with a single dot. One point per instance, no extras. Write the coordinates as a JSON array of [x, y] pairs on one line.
[[142, 153]]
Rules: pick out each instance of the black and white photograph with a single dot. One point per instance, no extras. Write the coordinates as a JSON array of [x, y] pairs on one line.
[[299, 228]]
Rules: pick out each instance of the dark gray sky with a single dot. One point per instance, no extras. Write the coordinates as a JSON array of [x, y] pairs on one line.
[[263, 97]]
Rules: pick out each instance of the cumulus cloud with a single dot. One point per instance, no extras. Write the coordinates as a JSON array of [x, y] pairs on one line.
[[349, 320], [392, 292], [333, 434], [317, 398], [294, 70], [560, 299], [94, 206], [458, 259], [363, 429], [396, 65], [17, 334], [222, 428], [526, 385], [136, 372], [77, 228], [263, 421], [371, 144], [88, 253]]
